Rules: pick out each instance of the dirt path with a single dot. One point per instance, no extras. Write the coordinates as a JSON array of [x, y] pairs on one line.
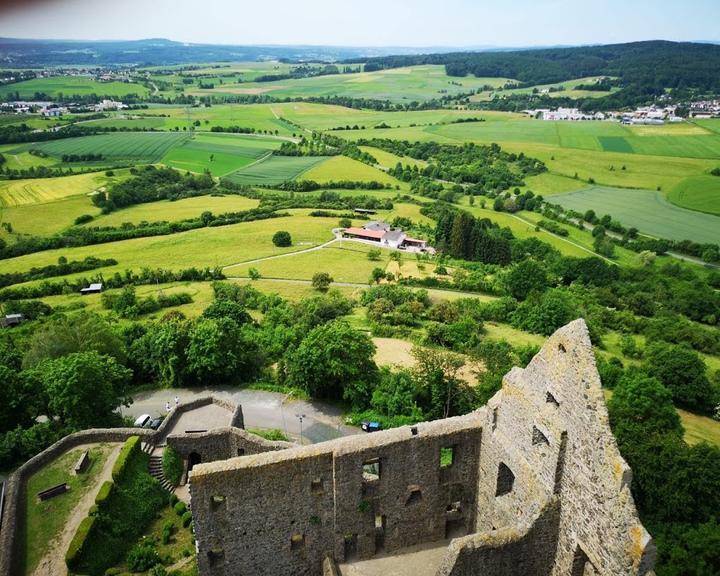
[[286, 255], [53, 563]]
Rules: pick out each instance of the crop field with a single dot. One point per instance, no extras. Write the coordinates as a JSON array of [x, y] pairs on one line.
[[217, 246], [70, 86], [177, 210], [40, 190], [701, 193], [275, 169], [679, 140], [344, 168], [398, 84], [568, 90], [646, 210], [144, 146], [328, 116], [346, 261], [257, 116], [219, 153], [44, 219]]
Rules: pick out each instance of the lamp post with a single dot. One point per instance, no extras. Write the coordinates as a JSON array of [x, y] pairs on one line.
[[300, 417]]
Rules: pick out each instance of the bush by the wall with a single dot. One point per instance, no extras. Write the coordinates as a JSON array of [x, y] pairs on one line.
[[180, 508], [129, 449], [104, 493], [78, 544], [172, 465], [186, 519]]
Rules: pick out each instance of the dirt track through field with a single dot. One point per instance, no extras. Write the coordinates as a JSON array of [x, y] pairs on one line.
[[53, 563]]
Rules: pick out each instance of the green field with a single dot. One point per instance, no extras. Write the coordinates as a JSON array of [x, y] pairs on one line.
[[397, 84], [41, 190], [216, 246], [219, 153], [344, 168], [70, 86], [177, 210], [646, 210], [275, 170], [142, 146], [569, 90], [257, 116], [700, 193]]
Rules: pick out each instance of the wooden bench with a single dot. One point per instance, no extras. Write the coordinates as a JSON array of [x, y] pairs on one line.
[[82, 463], [54, 491]]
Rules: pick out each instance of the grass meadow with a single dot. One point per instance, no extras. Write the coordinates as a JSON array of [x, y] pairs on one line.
[[70, 86], [275, 169], [344, 168], [42, 190], [700, 193], [646, 210]]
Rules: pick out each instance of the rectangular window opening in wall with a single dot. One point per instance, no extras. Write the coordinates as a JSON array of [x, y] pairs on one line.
[[494, 419], [505, 480], [241, 451], [454, 508], [447, 456], [538, 437], [550, 399], [350, 547], [297, 542], [371, 470], [215, 556], [217, 501], [414, 495], [316, 486], [379, 532]]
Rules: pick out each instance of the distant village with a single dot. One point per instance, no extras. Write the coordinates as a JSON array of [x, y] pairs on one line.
[[51, 109], [643, 115]]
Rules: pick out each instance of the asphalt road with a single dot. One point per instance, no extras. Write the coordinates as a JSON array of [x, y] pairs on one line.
[[261, 409]]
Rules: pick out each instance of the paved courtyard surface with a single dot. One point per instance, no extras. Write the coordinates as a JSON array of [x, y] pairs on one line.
[[201, 419], [421, 560], [261, 409]]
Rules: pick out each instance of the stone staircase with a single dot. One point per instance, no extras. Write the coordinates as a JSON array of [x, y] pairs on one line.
[[156, 469]]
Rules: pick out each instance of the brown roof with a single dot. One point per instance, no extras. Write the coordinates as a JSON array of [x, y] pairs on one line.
[[362, 233]]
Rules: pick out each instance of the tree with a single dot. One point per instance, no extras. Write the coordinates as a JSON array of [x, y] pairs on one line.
[[543, 314], [641, 405], [219, 350], [436, 373], [374, 254], [683, 372], [228, 309], [254, 274], [335, 361], [345, 223], [77, 333], [526, 277], [282, 239], [395, 394], [85, 388], [321, 281], [376, 275]]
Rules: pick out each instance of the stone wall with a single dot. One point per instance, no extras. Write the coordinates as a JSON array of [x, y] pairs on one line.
[[12, 528], [536, 479], [222, 444]]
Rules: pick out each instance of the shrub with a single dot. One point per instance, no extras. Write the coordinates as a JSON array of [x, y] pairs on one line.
[[282, 239], [78, 543], [186, 519], [83, 219], [104, 493], [172, 465], [142, 557], [180, 508], [129, 449], [173, 499], [321, 281]]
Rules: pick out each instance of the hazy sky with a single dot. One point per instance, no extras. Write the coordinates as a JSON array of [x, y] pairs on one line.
[[366, 22]]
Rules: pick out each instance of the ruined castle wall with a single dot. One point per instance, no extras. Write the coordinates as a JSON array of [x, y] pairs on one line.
[[222, 444], [528, 550], [407, 503], [267, 514]]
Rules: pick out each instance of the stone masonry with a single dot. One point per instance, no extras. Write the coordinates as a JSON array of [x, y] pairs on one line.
[[532, 484]]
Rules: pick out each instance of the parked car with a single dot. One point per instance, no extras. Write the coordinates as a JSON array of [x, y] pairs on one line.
[[155, 422], [371, 426], [143, 421]]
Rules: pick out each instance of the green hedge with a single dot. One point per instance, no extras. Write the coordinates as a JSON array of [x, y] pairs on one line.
[[172, 465], [104, 493], [129, 449], [78, 544], [125, 508]]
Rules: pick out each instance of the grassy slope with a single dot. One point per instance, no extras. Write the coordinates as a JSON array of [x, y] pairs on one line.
[[45, 520], [275, 170], [41, 190], [344, 168], [220, 246], [71, 86]]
